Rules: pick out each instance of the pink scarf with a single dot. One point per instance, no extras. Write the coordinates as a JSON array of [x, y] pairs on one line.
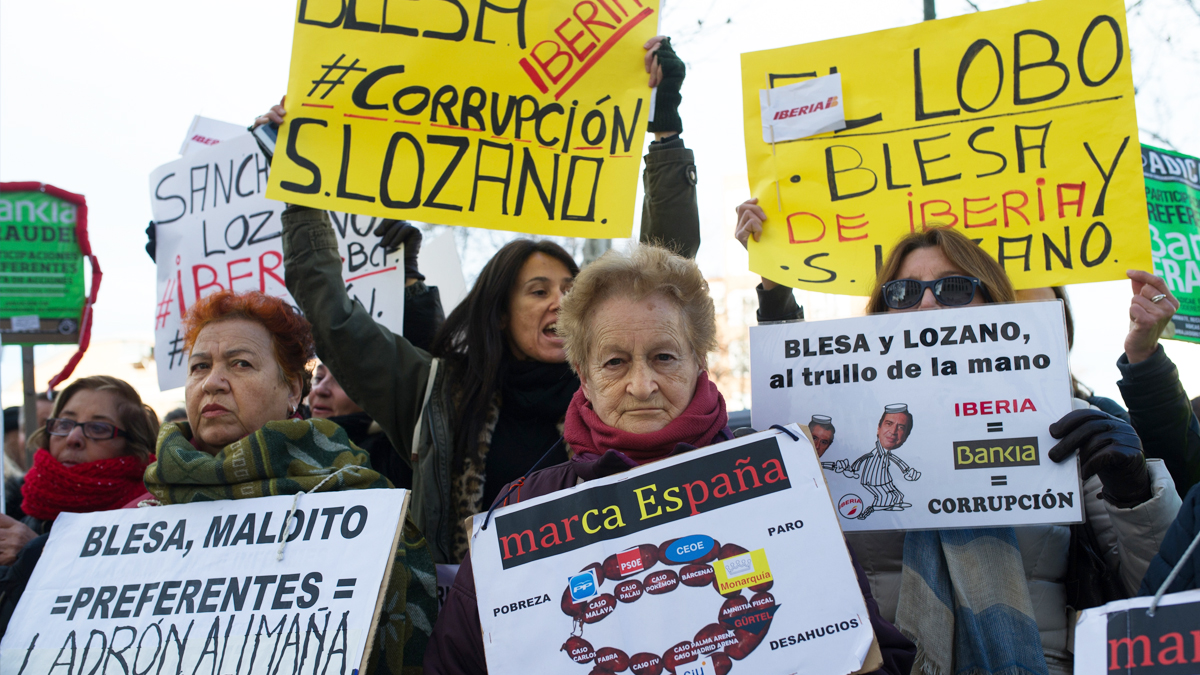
[[697, 425]]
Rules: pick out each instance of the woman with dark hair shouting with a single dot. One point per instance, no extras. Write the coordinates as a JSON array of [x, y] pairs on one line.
[[488, 399]]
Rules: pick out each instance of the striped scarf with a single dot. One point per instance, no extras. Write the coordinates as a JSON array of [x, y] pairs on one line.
[[965, 603], [290, 456]]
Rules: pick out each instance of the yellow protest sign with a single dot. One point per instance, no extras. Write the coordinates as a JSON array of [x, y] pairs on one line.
[[1016, 126], [524, 115]]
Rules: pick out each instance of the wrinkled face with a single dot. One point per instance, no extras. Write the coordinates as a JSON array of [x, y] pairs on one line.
[[822, 439], [327, 399], [234, 384], [931, 264], [533, 304], [88, 406], [641, 372], [893, 430]]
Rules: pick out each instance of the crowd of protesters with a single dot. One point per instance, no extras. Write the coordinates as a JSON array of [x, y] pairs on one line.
[[548, 375]]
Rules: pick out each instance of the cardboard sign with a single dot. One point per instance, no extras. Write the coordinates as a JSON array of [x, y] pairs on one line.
[[443, 268], [1016, 125], [1121, 638], [41, 267], [217, 230], [1173, 200], [198, 586], [728, 554], [928, 420], [527, 117]]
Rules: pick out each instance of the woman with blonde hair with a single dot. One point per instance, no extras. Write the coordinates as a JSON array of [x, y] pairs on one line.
[[638, 327]]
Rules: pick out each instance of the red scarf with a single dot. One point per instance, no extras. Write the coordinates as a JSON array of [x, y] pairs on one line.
[[698, 425], [51, 488]]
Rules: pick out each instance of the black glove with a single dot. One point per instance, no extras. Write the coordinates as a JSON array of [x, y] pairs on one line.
[[1108, 448], [151, 241], [396, 233], [668, 98]]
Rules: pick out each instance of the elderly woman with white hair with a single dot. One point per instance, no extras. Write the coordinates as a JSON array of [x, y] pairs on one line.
[[638, 327]]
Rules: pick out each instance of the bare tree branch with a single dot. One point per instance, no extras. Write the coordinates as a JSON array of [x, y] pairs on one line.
[[1158, 139], [1192, 4]]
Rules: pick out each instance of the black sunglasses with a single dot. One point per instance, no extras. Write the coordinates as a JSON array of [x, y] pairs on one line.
[[97, 431], [953, 291]]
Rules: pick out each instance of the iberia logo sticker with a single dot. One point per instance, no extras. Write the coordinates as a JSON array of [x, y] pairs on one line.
[[742, 571]]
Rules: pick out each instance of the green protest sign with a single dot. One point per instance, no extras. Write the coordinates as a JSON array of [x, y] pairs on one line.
[[42, 294], [1173, 203]]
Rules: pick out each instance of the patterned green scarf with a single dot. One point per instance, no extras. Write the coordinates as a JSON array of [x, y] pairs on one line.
[[291, 456]]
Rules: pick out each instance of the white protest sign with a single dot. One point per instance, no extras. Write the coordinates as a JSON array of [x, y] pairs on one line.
[[730, 554], [802, 109], [928, 420], [216, 230], [1121, 637], [198, 587], [443, 268], [205, 133]]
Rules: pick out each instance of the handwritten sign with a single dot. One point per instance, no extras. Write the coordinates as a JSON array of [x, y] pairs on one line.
[[217, 230], [729, 555], [1016, 125], [928, 420], [1173, 200], [524, 116], [198, 586], [1121, 637]]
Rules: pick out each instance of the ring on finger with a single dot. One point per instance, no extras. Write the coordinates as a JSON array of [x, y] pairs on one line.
[[1158, 298]]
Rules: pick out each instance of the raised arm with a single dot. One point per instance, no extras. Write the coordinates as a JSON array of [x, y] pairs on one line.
[[379, 370], [670, 214], [775, 302], [1158, 405]]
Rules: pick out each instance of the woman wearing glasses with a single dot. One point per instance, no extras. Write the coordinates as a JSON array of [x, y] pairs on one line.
[[92, 453], [959, 594]]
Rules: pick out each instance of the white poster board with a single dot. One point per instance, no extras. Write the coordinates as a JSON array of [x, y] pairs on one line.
[[205, 132], [216, 230], [725, 556], [1121, 637], [443, 268], [197, 587], [937, 419]]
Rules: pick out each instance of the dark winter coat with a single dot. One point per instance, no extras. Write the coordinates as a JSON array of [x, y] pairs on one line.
[[390, 377]]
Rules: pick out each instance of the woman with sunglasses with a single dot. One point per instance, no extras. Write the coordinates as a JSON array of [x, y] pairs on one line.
[[928, 582], [91, 456]]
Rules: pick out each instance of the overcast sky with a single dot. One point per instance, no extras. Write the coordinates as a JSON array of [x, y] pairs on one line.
[[94, 95]]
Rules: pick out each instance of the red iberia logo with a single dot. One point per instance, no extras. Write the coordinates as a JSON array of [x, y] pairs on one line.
[[742, 571], [831, 102]]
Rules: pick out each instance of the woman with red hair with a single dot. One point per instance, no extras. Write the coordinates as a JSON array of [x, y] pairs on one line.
[[248, 369]]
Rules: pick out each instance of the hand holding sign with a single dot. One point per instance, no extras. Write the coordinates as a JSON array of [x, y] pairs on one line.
[[396, 233], [667, 72], [1108, 448], [14, 535]]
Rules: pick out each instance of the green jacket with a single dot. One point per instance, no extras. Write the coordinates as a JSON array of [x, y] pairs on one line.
[[390, 378]]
